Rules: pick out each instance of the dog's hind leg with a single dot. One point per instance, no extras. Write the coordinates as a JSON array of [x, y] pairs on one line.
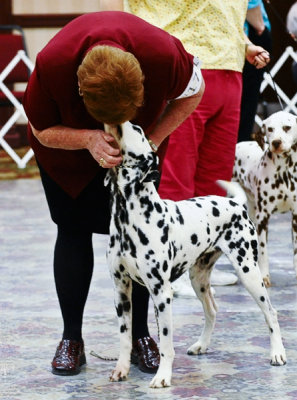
[[123, 304], [262, 229], [251, 278], [200, 280]]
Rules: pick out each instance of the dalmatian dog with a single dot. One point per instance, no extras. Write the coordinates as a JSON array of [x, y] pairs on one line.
[[268, 174], [154, 242]]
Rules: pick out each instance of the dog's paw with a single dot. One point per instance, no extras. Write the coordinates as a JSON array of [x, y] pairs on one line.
[[279, 358], [160, 381], [120, 373], [267, 281], [196, 349]]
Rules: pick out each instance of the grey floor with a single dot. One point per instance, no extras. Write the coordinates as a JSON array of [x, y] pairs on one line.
[[235, 367]]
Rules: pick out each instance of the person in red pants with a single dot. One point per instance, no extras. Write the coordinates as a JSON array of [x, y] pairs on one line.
[[105, 67]]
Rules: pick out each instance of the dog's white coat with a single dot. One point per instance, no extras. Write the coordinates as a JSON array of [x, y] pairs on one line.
[[269, 178], [152, 240]]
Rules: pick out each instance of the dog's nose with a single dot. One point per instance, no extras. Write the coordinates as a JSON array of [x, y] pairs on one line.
[[276, 144]]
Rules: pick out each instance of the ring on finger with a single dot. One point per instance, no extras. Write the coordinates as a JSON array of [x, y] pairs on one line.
[[102, 162]]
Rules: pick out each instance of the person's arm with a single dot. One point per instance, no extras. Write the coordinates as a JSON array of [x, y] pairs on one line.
[[174, 114], [255, 19], [99, 143], [111, 5]]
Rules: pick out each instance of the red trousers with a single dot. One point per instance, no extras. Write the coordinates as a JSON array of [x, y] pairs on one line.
[[202, 149]]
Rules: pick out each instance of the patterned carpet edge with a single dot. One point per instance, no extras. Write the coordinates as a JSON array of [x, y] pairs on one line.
[[9, 169]]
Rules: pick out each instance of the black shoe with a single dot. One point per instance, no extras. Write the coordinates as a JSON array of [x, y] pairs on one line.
[[145, 353], [69, 357]]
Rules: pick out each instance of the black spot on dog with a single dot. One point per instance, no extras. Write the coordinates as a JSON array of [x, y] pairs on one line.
[[122, 268], [111, 241], [119, 310], [142, 237], [228, 235], [165, 266], [158, 207], [194, 238], [245, 269], [157, 275], [179, 216], [160, 223], [128, 191], [164, 237], [242, 252], [165, 331], [215, 212], [117, 275]]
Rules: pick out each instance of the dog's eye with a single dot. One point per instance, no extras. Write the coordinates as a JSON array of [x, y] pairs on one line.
[[286, 128], [270, 129]]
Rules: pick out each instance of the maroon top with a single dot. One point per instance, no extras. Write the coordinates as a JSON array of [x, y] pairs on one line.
[[52, 97]]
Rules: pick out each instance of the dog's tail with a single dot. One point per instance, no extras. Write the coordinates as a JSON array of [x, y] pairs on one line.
[[233, 190]]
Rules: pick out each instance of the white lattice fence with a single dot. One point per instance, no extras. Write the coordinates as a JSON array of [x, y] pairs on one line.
[[19, 109], [289, 104]]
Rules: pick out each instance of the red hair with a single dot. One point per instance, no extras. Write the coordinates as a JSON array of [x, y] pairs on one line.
[[111, 83]]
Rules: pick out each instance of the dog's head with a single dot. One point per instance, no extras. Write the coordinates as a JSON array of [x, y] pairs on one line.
[[280, 130], [140, 163]]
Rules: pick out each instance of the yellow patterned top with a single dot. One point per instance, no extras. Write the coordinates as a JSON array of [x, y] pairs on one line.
[[212, 30]]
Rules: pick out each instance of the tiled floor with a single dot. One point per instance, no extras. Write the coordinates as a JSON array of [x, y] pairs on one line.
[[236, 366]]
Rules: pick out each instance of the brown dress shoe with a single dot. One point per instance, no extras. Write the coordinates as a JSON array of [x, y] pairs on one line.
[[145, 353], [69, 357]]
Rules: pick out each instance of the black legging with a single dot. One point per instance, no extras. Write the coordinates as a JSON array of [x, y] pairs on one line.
[[74, 259], [251, 80], [73, 269]]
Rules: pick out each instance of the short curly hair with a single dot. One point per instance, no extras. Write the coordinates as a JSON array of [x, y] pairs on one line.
[[111, 83]]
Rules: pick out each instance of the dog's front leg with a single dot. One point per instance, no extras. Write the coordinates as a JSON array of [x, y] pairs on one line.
[[294, 238], [262, 229], [123, 304], [163, 304]]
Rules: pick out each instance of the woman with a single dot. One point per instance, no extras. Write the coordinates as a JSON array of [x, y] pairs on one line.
[[106, 67]]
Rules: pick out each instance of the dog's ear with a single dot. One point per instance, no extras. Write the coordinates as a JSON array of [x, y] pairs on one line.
[[115, 131], [259, 136], [107, 178]]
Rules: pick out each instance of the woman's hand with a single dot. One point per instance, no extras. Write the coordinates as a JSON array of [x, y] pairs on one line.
[[102, 146], [104, 149]]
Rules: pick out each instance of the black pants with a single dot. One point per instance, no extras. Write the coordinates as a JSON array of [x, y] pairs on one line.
[[77, 220], [294, 71], [251, 82]]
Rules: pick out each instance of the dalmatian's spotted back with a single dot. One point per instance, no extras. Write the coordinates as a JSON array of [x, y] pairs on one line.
[[154, 241], [269, 177]]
